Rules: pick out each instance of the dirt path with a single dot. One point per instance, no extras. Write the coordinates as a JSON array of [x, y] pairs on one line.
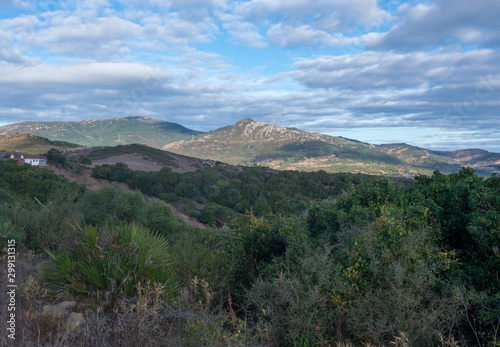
[[85, 178]]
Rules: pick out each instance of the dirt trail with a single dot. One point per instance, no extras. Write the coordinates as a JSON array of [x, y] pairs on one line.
[[85, 178]]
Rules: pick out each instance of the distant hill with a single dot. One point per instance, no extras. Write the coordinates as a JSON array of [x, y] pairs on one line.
[[482, 161], [248, 142], [27, 143], [106, 132], [142, 158]]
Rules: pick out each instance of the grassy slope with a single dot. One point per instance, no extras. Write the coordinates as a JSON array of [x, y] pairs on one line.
[[27, 143], [155, 155], [447, 161], [107, 132], [248, 143]]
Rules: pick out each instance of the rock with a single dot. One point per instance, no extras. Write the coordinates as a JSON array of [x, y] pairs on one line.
[[60, 309], [74, 321]]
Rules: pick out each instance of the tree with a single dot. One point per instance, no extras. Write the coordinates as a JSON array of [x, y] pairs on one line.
[[84, 160], [57, 157]]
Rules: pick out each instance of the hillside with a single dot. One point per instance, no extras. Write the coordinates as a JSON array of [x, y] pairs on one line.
[[106, 132], [142, 158], [476, 158], [482, 161], [248, 142], [27, 143]]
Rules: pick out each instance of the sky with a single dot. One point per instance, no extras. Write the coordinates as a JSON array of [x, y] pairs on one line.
[[426, 73]]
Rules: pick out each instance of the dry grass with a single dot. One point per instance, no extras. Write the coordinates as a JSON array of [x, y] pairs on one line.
[[144, 320]]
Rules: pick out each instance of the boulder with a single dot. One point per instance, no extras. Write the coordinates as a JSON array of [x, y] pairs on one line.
[[63, 309]]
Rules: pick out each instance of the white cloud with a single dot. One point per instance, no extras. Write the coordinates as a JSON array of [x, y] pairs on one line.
[[289, 36], [390, 70], [327, 15], [245, 33], [92, 58], [14, 4], [95, 75], [74, 36], [302, 22], [423, 26]]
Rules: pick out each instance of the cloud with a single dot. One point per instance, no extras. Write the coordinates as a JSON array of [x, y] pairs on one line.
[[326, 15], [14, 4], [369, 71], [198, 3], [425, 65], [174, 28], [385, 89], [245, 33], [302, 23], [72, 35], [96, 75], [443, 22], [291, 36]]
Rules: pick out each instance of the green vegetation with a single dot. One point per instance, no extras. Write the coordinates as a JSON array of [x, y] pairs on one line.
[[112, 261], [113, 203], [106, 132], [249, 143], [57, 157], [227, 191], [300, 259], [84, 160], [27, 143]]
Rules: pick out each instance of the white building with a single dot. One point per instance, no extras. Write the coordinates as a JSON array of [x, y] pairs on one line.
[[35, 162]]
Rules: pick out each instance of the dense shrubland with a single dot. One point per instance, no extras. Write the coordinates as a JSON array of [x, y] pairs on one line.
[[223, 189], [303, 259]]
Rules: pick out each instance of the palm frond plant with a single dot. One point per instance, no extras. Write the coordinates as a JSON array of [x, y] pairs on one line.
[[113, 260]]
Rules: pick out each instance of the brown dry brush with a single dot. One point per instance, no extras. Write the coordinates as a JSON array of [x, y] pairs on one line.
[[143, 320]]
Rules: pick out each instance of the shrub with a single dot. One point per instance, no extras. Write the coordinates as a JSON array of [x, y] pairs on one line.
[[155, 215], [8, 232], [57, 157], [111, 261], [84, 160], [44, 226]]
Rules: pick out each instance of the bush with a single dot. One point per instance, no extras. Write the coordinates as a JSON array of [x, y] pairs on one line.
[[155, 215], [84, 160], [57, 157], [213, 214], [8, 232], [111, 261], [44, 226]]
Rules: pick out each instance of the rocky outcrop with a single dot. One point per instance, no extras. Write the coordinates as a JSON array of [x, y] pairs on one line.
[[63, 310]]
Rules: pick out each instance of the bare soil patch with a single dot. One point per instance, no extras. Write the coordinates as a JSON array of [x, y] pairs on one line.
[[133, 161]]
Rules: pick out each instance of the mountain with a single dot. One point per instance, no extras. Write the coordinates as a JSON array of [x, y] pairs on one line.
[[106, 132], [248, 142], [482, 161], [27, 143]]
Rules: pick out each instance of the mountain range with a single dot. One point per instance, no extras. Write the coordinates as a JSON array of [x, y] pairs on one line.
[[106, 132], [248, 142]]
